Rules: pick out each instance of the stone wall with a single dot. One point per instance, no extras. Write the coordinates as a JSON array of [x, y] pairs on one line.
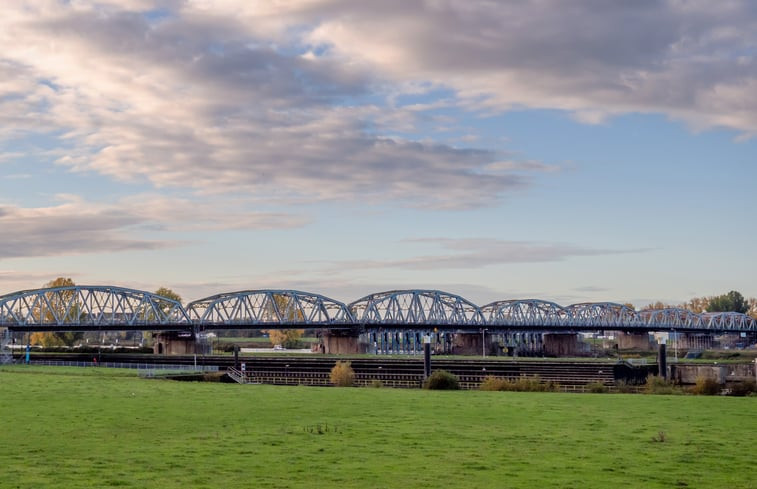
[[688, 374]]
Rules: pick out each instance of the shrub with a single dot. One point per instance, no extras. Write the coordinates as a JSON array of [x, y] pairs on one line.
[[745, 388], [441, 380], [522, 384], [706, 386], [624, 387], [658, 385], [491, 383], [376, 384], [342, 374], [596, 387]]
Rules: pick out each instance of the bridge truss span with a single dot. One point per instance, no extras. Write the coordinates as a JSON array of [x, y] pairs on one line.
[[416, 308], [524, 313], [600, 315], [674, 318], [86, 308], [272, 308]]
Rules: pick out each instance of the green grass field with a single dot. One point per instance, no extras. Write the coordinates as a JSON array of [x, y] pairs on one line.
[[69, 428]]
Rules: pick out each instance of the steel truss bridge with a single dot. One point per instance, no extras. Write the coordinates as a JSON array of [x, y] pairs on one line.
[[111, 308]]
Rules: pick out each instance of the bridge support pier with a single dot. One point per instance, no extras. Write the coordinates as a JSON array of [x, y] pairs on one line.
[[561, 344], [341, 343], [634, 341], [472, 344]]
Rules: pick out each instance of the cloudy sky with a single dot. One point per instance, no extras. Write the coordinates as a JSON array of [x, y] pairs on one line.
[[572, 150]]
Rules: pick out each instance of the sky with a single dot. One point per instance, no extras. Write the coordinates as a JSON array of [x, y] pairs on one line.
[[572, 150]]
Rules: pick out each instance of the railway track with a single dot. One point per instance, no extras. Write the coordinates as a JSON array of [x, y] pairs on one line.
[[391, 372]]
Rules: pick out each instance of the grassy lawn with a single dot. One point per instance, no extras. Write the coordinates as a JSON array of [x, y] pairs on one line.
[[98, 427]]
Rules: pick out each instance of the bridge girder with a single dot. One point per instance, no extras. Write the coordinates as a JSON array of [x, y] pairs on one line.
[[272, 308], [90, 307]]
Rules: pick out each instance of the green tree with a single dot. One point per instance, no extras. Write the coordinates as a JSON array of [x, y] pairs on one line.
[[731, 302]]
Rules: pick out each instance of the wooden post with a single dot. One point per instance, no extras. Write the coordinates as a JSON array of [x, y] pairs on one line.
[[662, 362], [426, 356]]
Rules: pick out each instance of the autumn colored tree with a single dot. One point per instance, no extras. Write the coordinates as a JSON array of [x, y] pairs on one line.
[[697, 304], [285, 307], [168, 294], [60, 303], [658, 305], [288, 338]]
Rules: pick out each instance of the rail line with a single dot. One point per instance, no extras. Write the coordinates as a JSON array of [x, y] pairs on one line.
[[390, 372]]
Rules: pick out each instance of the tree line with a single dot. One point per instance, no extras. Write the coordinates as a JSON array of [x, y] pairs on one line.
[[731, 301]]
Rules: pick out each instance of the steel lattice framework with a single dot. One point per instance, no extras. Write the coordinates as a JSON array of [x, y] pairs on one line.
[[269, 307], [675, 318], [527, 312], [416, 307], [86, 308], [600, 315]]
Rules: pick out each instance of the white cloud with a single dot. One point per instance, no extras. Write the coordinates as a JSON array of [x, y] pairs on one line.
[[472, 253], [296, 101], [694, 61], [77, 226], [222, 100]]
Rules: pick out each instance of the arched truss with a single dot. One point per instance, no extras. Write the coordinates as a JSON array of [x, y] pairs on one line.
[[83, 307], [671, 318], [416, 307], [728, 321], [268, 307], [600, 315], [525, 313]]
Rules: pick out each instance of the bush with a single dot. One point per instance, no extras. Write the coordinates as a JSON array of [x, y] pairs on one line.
[[624, 387], [706, 386], [658, 385], [522, 384], [342, 374], [597, 387], [745, 388], [491, 383], [442, 380]]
